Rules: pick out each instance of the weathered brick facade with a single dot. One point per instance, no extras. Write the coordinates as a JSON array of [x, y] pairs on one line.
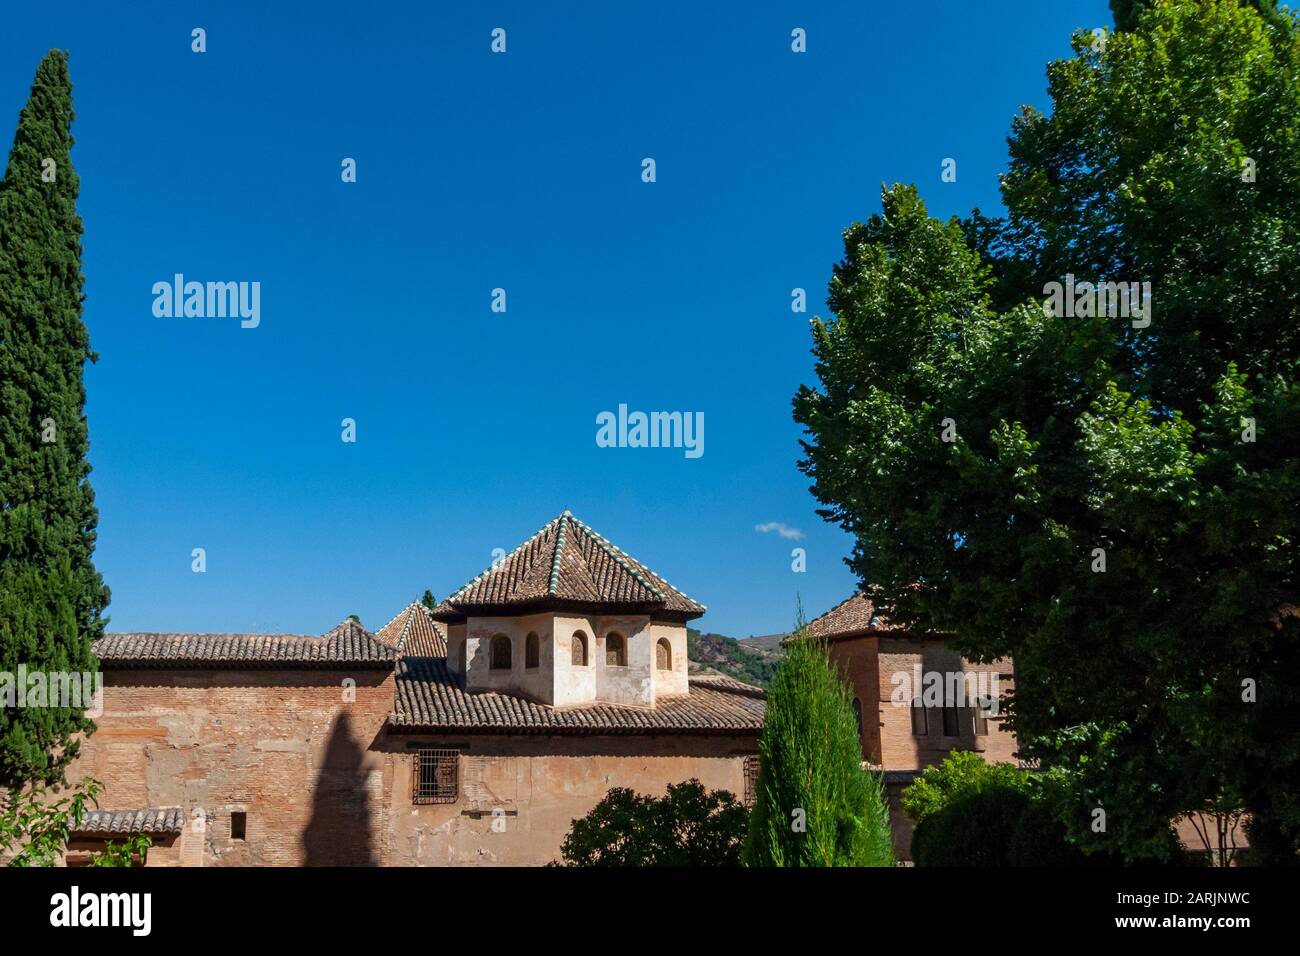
[[321, 781], [553, 677], [885, 667]]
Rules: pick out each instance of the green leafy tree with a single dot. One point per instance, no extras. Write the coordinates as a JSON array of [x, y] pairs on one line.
[[51, 596], [1113, 502], [815, 804], [962, 772], [689, 826], [428, 600]]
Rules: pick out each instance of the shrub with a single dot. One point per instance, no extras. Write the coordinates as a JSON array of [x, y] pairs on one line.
[[689, 826]]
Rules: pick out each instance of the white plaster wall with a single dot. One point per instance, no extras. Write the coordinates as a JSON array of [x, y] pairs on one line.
[[456, 648], [633, 683], [670, 683], [536, 683], [573, 685]]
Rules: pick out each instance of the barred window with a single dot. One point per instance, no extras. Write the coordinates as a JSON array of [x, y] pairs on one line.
[[751, 780], [436, 776]]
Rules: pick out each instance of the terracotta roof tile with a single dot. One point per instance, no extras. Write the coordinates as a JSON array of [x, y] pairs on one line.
[[348, 644], [414, 632], [566, 563], [151, 820], [430, 697], [858, 614]]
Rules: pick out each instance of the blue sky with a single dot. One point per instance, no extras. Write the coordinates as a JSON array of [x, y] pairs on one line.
[[478, 171]]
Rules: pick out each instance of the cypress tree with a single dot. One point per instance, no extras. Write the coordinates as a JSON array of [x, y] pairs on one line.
[[815, 804], [51, 596]]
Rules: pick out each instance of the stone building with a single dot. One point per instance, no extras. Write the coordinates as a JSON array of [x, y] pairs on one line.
[[473, 733], [916, 698]]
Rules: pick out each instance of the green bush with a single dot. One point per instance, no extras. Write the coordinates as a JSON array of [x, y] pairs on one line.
[[976, 829], [961, 773], [690, 826]]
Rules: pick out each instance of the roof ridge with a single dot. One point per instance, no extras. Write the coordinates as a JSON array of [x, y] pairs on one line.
[[406, 629], [554, 583], [838, 606], [609, 548], [405, 610], [501, 561]]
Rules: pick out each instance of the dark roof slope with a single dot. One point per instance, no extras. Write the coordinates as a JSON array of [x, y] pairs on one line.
[[414, 632], [430, 697], [347, 645], [567, 565], [853, 616]]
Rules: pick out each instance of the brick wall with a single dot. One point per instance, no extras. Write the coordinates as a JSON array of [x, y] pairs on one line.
[[320, 782], [537, 785], [872, 665], [293, 750]]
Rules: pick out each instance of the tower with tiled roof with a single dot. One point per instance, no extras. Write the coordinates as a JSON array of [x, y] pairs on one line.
[[566, 619]]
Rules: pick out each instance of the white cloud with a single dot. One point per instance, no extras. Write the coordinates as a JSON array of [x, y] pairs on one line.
[[783, 530]]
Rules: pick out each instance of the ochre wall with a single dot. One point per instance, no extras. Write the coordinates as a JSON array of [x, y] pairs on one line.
[[870, 664], [322, 783], [282, 746], [538, 785]]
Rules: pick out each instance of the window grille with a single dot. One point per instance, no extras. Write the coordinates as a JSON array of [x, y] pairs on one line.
[[436, 776]]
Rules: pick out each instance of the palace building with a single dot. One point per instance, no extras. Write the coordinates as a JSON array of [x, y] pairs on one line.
[[903, 733], [471, 733]]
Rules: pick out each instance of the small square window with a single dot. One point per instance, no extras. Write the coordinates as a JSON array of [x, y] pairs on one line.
[[436, 776], [238, 826]]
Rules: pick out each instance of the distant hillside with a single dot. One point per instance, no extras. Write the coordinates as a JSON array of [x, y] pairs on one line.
[[753, 660]]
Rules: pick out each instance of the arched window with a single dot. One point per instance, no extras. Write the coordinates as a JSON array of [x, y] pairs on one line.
[[578, 648], [857, 714], [532, 652], [615, 650], [500, 653], [663, 655]]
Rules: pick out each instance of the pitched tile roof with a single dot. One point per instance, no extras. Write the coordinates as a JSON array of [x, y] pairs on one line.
[[853, 616], [430, 697], [151, 820], [346, 645], [567, 564], [414, 632]]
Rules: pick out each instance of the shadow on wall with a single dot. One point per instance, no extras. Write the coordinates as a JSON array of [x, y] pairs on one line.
[[340, 832]]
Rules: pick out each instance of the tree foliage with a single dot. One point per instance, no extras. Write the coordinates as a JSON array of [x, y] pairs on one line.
[[1115, 506], [961, 773], [815, 804], [35, 828], [689, 826], [51, 596]]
